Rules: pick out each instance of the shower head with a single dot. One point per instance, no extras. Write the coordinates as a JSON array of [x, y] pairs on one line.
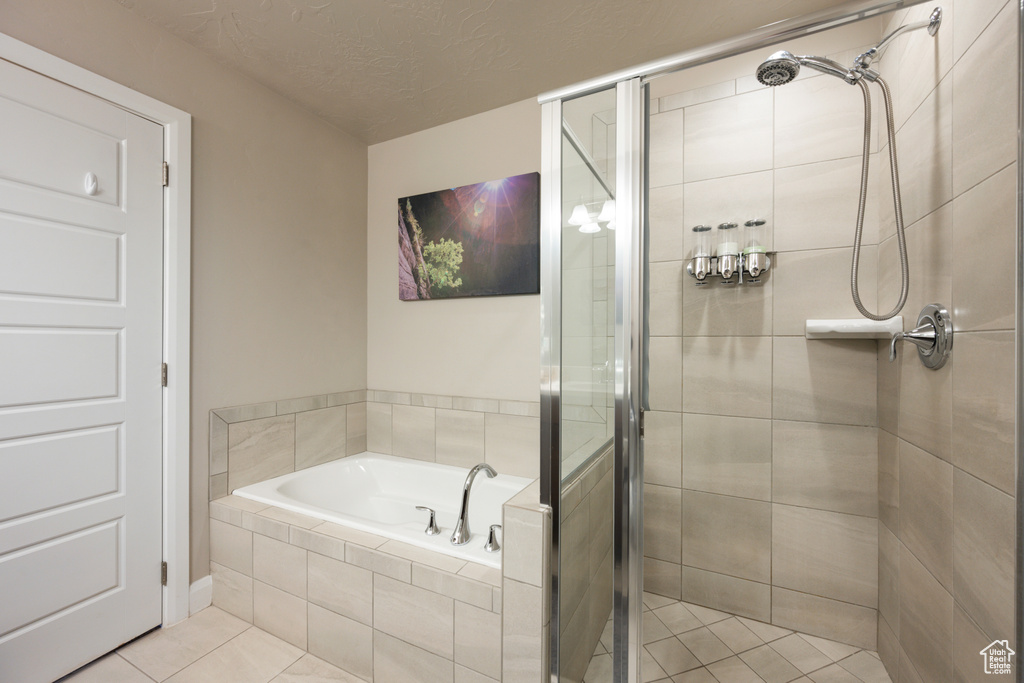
[[779, 69], [782, 67]]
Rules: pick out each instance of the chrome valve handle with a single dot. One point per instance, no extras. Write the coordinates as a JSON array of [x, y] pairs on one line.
[[933, 337], [923, 337], [431, 529], [492, 545]]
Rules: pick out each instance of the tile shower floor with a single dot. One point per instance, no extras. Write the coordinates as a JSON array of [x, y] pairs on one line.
[[211, 646], [685, 643]]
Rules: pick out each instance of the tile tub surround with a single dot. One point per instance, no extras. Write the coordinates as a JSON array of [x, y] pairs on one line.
[[586, 574], [382, 610], [760, 494], [456, 430], [251, 443], [946, 439], [378, 609], [211, 645], [526, 589]]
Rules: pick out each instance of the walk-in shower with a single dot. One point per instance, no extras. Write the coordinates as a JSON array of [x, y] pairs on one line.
[[736, 494], [782, 67]]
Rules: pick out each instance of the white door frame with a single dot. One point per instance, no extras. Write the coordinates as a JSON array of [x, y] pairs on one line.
[[177, 286]]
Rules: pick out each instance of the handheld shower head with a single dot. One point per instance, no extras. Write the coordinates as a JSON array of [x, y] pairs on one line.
[[779, 69], [782, 67]]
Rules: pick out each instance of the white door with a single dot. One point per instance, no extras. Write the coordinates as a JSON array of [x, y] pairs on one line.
[[81, 240]]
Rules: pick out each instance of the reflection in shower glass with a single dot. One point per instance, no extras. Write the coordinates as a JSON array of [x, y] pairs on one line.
[[587, 404]]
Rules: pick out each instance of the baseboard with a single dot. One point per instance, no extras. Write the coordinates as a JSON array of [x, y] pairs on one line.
[[200, 594]]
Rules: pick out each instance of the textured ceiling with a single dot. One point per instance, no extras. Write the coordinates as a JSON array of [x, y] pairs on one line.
[[384, 68]]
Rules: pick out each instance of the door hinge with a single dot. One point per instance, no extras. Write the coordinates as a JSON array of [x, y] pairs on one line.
[[163, 573], [163, 374], [642, 413], [166, 174]]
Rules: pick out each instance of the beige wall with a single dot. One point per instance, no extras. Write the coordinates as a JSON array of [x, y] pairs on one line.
[[485, 347], [278, 221]]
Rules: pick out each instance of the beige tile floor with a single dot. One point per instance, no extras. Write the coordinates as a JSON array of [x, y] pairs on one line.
[[209, 647], [685, 643]]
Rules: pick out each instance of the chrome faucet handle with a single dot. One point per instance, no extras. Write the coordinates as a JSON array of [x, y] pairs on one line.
[[431, 529], [492, 545]]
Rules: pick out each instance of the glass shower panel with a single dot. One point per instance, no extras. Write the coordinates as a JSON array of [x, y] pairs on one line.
[[587, 398]]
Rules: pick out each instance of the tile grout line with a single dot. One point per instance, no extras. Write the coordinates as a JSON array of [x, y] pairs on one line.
[[204, 656], [131, 664]]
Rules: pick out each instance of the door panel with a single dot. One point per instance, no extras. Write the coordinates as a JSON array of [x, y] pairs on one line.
[[58, 365], [42, 258], [57, 470], [70, 581], [80, 397], [53, 153]]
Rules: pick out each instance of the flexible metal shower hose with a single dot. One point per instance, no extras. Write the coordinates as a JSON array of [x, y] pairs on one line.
[[897, 203]]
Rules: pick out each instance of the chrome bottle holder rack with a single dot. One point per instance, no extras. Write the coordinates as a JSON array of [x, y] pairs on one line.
[[741, 268]]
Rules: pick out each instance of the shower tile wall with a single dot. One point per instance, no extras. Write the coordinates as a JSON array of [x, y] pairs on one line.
[[946, 437], [815, 484], [761, 450]]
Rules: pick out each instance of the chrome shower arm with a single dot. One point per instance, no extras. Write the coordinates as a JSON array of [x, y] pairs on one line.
[[931, 23]]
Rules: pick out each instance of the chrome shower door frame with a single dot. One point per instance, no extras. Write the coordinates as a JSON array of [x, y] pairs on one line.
[[551, 362], [1019, 349], [627, 551], [627, 483]]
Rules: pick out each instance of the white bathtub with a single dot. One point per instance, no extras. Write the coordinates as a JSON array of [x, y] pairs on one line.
[[379, 494]]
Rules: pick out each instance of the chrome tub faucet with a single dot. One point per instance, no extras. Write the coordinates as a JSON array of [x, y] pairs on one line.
[[462, 533]]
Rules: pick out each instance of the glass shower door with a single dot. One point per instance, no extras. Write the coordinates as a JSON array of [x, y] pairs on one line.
[[588, 404], [589, 418]]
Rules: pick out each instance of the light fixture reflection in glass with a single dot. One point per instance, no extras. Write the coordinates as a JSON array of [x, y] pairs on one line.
[[580, 215], [590, 227], [611, 225], [607, 212]]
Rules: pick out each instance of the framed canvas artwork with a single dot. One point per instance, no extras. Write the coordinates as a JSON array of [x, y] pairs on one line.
[[474, 240]]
